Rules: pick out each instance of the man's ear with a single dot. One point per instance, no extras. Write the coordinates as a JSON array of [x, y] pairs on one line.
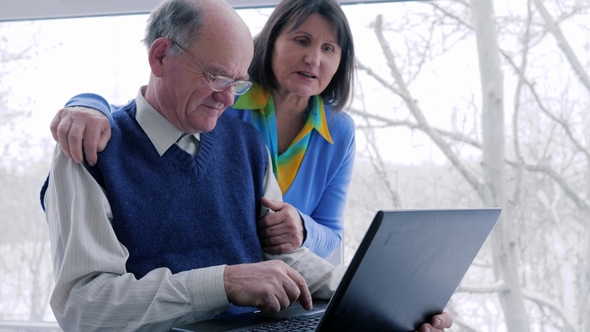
[[158, 51]]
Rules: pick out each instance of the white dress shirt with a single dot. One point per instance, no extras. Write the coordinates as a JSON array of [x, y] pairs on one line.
[[93, 290]]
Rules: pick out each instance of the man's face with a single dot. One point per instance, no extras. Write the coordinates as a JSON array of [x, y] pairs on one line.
[[189, 103]]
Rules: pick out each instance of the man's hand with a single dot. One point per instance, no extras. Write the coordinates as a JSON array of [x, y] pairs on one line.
[[438, 323], [282, 231], [73, 127], [269, 286]]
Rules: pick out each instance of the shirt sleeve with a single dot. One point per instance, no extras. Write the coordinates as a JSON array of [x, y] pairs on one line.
[[93, 290]]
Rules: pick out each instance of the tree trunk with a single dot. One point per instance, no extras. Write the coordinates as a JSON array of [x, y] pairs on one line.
[[505, 256]]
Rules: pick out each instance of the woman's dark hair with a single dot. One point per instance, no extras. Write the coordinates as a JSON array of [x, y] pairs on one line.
[[339, 90]]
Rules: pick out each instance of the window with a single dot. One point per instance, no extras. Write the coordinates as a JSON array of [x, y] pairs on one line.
[[428, 136]]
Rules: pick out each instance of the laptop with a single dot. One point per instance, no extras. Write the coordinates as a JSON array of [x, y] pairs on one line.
[[405, 270]]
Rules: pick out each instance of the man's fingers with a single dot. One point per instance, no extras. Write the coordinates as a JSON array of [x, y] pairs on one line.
[[294, 289], [285, 299], [304, 297], [270, 286], [269, 306]]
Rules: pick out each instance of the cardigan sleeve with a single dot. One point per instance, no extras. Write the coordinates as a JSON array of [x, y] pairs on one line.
[[325, 223], [94, 101]]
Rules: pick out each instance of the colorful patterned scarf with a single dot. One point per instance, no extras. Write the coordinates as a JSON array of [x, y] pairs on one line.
[[286, 165]]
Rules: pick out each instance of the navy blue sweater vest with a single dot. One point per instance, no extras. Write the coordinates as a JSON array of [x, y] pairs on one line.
[[179, 211]]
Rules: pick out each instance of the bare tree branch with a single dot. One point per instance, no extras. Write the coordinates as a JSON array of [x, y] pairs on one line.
[[497, 287], [552, 305], [569, 191], [500, 286], [404, 93], [561, 122], [563, 44], [515, 116], [412, 125], [378, 163]]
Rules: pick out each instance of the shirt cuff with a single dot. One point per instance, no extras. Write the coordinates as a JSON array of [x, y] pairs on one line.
[[208, 291]]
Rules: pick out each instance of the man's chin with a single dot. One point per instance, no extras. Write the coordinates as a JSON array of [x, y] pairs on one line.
[[206, 126]]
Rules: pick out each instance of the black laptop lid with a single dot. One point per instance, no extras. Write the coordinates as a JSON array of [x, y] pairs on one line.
[[406, 269]]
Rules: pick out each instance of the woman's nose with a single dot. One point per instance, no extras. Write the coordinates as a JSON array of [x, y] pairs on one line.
[[313, 57]]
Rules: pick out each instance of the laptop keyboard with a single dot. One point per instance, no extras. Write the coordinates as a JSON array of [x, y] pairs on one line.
[[295, 324]]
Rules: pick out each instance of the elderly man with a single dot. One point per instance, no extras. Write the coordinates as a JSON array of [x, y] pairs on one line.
[[162, 230]]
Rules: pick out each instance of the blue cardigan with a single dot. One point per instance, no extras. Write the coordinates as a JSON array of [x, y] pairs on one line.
[[319, 190]]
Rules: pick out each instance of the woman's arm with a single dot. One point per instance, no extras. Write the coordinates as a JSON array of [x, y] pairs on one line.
[[321, 230], [320, 189], [324, 224]]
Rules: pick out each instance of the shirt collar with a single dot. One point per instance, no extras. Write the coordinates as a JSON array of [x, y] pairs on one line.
[[158, 129], [318, 112], [256, 99]]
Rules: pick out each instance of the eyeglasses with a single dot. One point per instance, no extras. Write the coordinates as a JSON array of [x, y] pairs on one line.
[[216, 82]]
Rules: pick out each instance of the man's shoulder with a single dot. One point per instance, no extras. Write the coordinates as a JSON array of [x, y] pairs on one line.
[[125, 111], [124, 130], [124, 121]]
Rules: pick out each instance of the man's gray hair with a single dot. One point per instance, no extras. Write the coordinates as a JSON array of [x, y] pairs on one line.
[[177, 20]]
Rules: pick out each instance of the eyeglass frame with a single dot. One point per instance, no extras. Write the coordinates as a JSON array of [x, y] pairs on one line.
[[211, 78]]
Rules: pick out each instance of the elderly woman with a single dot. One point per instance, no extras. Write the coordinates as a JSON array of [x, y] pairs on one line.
[[302, 75]]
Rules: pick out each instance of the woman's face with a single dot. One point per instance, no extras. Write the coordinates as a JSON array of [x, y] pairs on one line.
[[305, 60]]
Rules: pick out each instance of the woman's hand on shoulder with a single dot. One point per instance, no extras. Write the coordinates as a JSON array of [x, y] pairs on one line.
[[81, 130]]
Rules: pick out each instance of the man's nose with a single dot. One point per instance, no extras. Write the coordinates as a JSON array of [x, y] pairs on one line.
[[226, 96]]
